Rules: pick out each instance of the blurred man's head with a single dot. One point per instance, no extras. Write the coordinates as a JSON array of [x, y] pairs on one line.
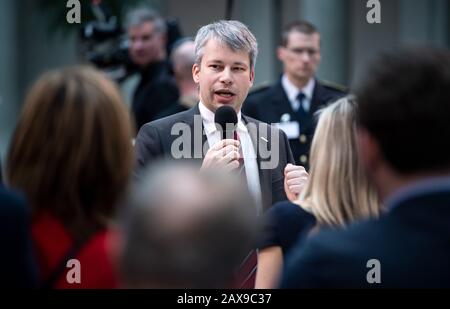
[[147, 34], [404, 116], [183, 58], [186, 229], [300, 52], [224, 68]]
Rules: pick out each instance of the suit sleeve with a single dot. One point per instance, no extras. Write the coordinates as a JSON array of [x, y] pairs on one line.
[[285, 157], [147, 148], [155, 100], [310, 260], [289, 155], [303, 268]]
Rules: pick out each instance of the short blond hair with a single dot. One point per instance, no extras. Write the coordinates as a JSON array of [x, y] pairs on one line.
[[338, 191]]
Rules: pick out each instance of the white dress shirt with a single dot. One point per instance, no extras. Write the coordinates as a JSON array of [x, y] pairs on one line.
[[251, 166], [292, 92]]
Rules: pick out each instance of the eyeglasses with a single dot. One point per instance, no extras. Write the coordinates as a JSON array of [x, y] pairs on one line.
[[301, 51]]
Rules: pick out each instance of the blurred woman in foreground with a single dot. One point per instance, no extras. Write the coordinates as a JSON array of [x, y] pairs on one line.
[[336, 194], [71, 154]]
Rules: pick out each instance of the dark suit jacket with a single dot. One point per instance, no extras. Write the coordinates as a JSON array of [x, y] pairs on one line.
[[411, 242], [18, 269], [156, 92], [155, 140], [268, 105]]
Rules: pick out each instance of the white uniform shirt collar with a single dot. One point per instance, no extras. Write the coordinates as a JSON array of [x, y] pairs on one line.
[[292, 91]]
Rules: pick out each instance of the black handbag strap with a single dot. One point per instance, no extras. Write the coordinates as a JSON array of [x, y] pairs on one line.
[[60, 269]]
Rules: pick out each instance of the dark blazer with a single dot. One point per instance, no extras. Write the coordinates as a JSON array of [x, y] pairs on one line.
[[269, 104], [156, 92], [18, 269], [155, 140], [411, 242]]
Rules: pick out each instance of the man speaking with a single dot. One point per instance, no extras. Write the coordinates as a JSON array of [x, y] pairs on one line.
[[224, 72]]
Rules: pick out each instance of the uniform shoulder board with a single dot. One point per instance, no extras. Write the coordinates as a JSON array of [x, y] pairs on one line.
[[260, 87], [334, 86]]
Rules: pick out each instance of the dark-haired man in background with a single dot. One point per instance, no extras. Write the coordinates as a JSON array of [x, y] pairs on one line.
[[157, 89], [292, 101]]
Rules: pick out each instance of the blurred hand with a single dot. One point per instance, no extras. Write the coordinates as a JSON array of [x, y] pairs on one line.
[[295, 178], [224, 154]]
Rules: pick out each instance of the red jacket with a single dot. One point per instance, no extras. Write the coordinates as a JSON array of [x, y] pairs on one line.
[[52, 244]]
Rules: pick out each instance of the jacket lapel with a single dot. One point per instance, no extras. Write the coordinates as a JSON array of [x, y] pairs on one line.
[[317, 94], [198, 140], [265, 175]]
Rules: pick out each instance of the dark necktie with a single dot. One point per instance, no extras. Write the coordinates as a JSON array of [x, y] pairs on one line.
[[247, 270], [301, 111], [246, 275]]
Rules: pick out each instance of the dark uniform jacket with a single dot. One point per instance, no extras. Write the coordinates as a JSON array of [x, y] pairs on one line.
[[270, 104]]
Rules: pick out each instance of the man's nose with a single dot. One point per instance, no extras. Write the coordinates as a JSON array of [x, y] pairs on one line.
[[226, 77], [305, 56], [136, 44]]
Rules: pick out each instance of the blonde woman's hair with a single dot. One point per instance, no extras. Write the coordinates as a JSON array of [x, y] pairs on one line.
[[338, 192]]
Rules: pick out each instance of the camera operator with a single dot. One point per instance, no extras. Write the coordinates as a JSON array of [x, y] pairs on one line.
[[157, 90]]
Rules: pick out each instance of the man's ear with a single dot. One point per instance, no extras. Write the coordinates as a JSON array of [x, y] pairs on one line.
[[195, 72], [162, 42], [368, 151], [252, 76], [164, 39], [280, 53]]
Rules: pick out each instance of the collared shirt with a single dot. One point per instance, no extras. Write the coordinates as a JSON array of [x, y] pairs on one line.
[[421, 187], [292, 92], [251, 166]]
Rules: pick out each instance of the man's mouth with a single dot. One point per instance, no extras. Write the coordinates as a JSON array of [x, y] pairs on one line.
[[224, 93]]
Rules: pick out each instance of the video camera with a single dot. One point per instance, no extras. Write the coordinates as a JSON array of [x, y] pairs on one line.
[[105, 44]]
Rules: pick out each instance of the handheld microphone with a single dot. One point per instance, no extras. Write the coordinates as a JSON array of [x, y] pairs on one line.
[[226, 120]]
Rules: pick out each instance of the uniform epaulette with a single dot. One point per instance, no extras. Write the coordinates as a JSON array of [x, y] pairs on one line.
[[260, 87], [334, 86]]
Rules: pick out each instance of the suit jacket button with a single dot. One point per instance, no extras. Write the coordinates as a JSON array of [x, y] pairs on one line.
[[303, 138], [285, 117], [303, 159]]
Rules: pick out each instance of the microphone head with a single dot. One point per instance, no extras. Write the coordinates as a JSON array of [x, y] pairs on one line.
[[226, 120]]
